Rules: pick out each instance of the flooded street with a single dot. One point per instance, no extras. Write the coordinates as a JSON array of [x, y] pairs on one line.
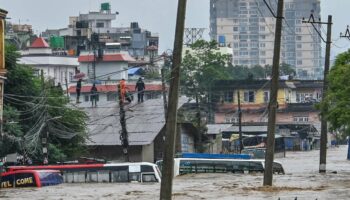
[[301, 180]]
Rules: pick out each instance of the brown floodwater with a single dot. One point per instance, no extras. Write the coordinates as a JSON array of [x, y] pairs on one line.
[[301, 180]]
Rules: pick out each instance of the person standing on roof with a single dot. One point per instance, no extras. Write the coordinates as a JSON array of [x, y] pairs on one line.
[[140, 86], [78, 88], [94, 95]]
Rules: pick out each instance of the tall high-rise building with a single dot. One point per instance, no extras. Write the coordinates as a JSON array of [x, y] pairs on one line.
[[248, 27]]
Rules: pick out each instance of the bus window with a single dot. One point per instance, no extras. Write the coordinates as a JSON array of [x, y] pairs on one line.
[[187, 166], [148, 177], [222, 167], [92, 177], [204, 166], [120, 175], [243, 166], [256, 167], [68, 177], [147, 168], [103, 176], [79, 176], [134, 176]]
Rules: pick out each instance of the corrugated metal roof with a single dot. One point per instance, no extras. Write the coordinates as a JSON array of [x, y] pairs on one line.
[[144, 121], [217, 128]]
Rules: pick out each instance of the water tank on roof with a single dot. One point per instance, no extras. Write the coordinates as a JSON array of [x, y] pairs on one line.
[[105, 6], [56, 42]]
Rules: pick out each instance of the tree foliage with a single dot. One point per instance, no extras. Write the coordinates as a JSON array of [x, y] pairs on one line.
[[336, 105], [204, 64], [33, 107]]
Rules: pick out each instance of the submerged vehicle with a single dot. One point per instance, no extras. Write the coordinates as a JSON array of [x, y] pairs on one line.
[[102, 173], [204, 165], [30, 178]]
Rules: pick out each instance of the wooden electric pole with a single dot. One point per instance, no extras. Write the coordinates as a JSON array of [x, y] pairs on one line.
[[240, 122], [124, 133], [164, 93], [324, 129], [270, 147], [171, 122]]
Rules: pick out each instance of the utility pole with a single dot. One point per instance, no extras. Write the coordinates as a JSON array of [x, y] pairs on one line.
[[240, 122], [198, 119], [270, 148], [164, 92], [171, 122], [324, 129], [124, 133]]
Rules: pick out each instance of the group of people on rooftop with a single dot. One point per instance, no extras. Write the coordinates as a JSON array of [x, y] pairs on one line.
[[125, 94]]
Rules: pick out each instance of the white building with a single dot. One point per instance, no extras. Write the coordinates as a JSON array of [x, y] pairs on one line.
[[54, 66], [249, 28], [112, 66]]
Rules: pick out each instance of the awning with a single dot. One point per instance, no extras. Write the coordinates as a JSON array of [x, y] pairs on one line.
[[134, 71]]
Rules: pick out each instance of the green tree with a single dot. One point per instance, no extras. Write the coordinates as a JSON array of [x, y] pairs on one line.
[[201, 66], [336, 105], [32, 108]]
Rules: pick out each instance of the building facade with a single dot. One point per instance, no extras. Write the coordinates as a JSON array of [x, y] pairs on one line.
[[248, 27], [55, 66], [134, 39], [296, 101]]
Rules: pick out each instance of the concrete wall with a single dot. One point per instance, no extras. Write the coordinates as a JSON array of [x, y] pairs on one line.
[[115, 153], [148, 153], [103, 68]]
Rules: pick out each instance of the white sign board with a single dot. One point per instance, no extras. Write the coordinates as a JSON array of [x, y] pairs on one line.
[[134, 168]]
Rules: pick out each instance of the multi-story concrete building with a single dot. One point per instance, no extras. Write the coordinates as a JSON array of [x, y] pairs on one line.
[[56, 67], [140, 43], [248, 27]]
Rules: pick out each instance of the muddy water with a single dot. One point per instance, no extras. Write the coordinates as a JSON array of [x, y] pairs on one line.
[[301, 180]]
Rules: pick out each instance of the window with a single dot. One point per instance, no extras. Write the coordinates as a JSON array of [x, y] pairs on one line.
[[298, 38], [249, 96], [301, 119], [149, 178], [100, 25], [262, 53], [299, 62], [266, 96], [231, 119], [304, 97], [235, 28], [299, 46], [228, 96]]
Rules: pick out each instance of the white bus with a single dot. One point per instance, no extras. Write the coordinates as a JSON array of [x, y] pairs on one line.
[[204, 165], [102, 173]]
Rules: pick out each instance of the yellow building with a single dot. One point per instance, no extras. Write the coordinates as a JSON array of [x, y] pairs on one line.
[[3, 14]]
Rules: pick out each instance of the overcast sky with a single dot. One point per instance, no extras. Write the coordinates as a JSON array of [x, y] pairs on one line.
[[154, 15]]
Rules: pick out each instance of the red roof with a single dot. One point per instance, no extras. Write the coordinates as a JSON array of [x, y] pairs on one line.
[[39, 43], [107, 58], [113, 88]]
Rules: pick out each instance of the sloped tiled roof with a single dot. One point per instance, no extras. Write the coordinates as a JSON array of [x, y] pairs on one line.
[[107, 58], [39, 43]]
